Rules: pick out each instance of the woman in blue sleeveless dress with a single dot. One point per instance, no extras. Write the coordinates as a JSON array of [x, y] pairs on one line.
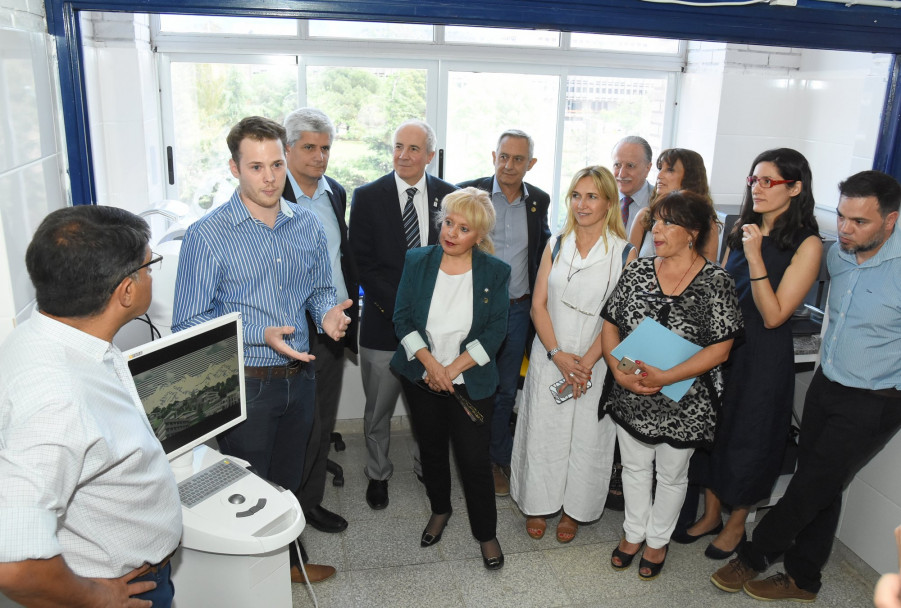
[[774, 257]]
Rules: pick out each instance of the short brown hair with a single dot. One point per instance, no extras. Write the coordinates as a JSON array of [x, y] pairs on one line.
[[256, 128]]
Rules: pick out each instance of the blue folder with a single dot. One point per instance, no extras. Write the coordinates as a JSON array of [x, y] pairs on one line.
[[652, 343]]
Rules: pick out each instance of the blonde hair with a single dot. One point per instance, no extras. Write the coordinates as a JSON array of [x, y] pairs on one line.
[[474, 205], [606, 184]]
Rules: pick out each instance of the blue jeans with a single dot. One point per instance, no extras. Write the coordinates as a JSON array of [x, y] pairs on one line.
[[165, 590], [274, 437], [509, 364]]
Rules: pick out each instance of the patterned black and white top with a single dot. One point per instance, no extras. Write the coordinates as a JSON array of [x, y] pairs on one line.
[[705, 313]]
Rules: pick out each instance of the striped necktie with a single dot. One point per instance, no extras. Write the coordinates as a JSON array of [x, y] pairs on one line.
[[624, 209], [411, 221]]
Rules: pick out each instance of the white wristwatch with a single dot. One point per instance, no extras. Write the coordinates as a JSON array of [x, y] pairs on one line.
[[552, 352]]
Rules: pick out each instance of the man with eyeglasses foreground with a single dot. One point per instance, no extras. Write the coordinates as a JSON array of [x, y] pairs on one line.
[[853, 406], [89, 510], [519, 236], [266, 258]]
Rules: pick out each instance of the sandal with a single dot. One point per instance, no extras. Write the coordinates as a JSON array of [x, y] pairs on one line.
[[653, 568], [566, 528], [535, 527], [625, 559]]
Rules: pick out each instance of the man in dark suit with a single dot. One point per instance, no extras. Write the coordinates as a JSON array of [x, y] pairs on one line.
[[309, 135], [388, 216], [519, 236]]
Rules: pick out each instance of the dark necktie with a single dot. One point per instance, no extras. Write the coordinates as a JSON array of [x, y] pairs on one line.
[[411, 221], [624, 209]]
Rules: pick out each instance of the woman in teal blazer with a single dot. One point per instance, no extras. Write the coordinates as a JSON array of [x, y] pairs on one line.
[[451, 318]]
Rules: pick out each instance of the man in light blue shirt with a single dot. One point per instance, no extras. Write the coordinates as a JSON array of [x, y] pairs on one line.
[[266, 258], [853, 405], [310, 134], [519, 235]]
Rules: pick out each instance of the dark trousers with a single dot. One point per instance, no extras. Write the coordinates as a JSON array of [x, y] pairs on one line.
[[509, 365], [274, 437], [841, 430], [437, 419], [329, 366]]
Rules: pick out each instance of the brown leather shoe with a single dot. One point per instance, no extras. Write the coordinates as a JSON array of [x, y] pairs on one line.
[[733, 575], [780, 586], [501, 480], [316, 572]]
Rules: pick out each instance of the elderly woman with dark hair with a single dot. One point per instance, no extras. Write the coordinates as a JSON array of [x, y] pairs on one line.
[[679, 169], [695, 299], [451, 318]]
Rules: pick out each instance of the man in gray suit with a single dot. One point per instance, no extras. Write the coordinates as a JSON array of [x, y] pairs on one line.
[[388, 216]]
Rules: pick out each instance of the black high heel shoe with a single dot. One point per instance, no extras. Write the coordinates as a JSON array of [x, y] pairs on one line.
[[653, 568], [625, 559], [496, 562], [428, 538]]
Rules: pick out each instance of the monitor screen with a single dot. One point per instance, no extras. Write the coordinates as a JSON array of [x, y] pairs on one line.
[[191, 383]]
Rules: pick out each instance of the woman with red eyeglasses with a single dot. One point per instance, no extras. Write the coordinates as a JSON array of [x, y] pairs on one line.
[[774, 257]]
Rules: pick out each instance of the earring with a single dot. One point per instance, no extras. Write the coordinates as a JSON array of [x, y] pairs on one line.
[[690, 244]]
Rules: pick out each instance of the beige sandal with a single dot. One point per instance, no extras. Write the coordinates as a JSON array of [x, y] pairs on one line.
[[535, 527], [567, 528]]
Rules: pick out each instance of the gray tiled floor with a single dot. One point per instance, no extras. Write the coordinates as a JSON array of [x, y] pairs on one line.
[[380, 562]]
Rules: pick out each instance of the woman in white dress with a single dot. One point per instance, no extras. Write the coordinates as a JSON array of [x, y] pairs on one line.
[[562, 453]]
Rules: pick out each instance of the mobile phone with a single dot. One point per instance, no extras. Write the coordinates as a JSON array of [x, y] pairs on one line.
[[567, 393], [628, 366]]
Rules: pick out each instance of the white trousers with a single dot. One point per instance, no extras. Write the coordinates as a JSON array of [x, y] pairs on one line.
[[647, 520]]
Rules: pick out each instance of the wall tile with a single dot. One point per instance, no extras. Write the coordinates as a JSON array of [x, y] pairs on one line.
[[21, 138]]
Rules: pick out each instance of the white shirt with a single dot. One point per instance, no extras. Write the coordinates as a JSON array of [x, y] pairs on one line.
[[81, 471], [447, 326], [420, 203]]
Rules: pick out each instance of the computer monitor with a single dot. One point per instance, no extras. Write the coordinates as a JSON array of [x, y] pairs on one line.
[[191, 383]]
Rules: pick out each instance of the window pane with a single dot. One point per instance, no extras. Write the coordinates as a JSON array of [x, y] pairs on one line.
[[202, 24], [366, 105], [495, 35], [371, 30], [602, 110], [480, 106], [207, 100], [625, 44]]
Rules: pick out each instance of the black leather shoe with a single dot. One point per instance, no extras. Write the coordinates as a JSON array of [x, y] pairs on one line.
[[377, 493], [713, 552], [428, 539], [495, 562], [684, 538], [324, 520]]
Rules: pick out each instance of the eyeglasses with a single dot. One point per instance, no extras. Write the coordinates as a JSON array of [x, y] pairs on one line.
[[154, 259], [471, 410], [766, 182]]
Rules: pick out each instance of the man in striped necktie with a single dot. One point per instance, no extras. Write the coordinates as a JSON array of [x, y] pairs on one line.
[[387, 217]]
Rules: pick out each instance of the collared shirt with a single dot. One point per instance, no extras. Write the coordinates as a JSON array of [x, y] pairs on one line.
[[863, 339], [511, 237], [231, 261], [321, 205], [420, 203], [641, 199], [81, 471]]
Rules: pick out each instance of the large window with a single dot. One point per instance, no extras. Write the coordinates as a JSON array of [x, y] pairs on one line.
[[470, 84]]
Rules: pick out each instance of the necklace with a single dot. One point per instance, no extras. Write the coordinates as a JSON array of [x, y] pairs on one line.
[[685, 274]]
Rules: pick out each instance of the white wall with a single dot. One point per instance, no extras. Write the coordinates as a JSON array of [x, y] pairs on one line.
[[739, 100], [33, 178]]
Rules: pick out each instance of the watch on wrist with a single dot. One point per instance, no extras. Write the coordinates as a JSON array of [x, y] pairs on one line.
[[552, 352]]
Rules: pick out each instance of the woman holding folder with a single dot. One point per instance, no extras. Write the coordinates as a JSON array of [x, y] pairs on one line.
[[695, 299]]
